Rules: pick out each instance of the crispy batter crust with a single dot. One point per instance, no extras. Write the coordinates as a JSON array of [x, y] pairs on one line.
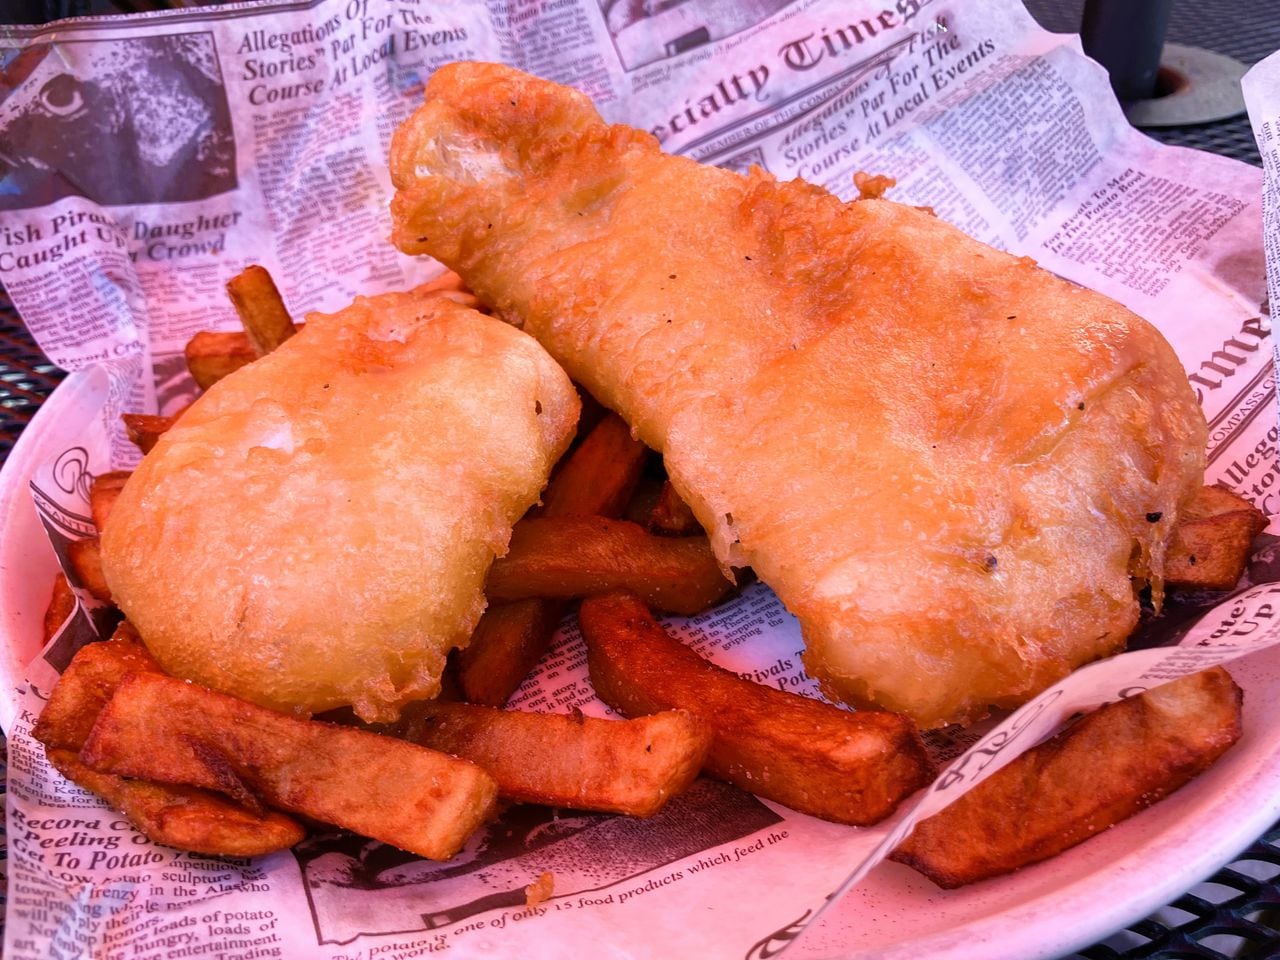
[[941, 457], [315, 530]]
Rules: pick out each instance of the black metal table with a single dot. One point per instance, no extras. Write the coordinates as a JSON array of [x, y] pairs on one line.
[[1234, 914]]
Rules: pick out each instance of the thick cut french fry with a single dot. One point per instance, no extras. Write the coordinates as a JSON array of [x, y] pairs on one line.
[[87, 684], [1215, 500], [505, 645], [102, 495], [211, 356], [261, 309], [144, 429], [580, 556], [1111, 764], [568, 760], [640, 507], [1209, 554], [84, 557], [185, 817], [811, 756], [159, 728], [447, 282], [598, 477], [62, 603], [671, 516], [593, 411], [1210, 545]]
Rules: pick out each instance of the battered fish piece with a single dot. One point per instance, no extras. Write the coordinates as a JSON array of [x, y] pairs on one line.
[[315, 530], [954, 468]]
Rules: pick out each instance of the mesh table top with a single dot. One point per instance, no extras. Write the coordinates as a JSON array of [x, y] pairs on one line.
[[1234, 914], [26, 377]]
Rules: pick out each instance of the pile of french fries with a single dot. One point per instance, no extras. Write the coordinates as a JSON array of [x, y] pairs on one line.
[[213, 774]]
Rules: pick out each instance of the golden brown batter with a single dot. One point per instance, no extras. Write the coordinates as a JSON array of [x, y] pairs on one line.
[[953, 467]]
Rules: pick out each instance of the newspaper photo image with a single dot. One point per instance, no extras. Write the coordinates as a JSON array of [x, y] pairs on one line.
[[150, 159]]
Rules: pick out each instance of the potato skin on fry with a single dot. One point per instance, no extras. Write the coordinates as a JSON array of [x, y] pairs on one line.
[[86, 685], [818, 759], [1113, 763], [564, 760], [84, 560], [185, 817], [144, 429], [599, 476], [62, 604], [1211, 543], [671, 516], [262, 311], [507, 643], [314, 531], [213, 355], [595, 478], [578, 556], [172, 731], [103, 493]]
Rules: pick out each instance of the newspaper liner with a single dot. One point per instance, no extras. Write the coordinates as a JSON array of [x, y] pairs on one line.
[[998, 126]]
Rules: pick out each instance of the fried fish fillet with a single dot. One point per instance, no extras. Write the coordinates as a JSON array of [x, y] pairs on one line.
[[954, 468], [316, 529]]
